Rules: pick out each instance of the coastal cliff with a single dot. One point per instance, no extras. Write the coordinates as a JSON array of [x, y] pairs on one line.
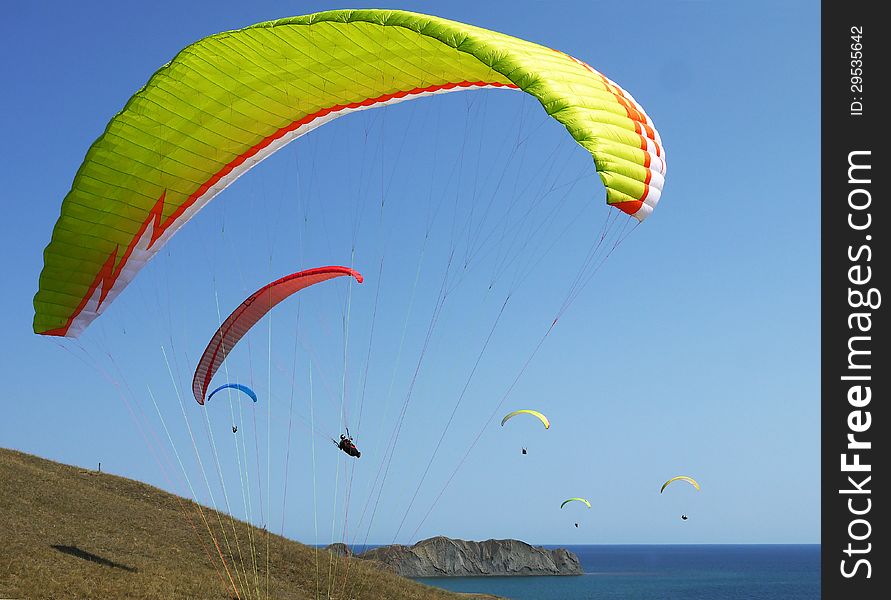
[[445, 557]]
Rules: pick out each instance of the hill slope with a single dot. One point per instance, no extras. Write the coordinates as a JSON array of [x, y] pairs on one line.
[[70, 533]]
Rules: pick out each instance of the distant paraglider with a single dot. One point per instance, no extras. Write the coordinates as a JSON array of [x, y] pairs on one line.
[[582, 500], [234, 386], [544, 420], [689, 480]]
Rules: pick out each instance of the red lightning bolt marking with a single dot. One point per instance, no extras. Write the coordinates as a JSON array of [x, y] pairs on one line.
[[108, 274]]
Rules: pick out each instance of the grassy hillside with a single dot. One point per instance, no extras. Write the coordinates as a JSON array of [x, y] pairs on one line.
[[70, 533]]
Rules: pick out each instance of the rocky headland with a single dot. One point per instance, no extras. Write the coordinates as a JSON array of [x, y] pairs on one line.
[[445, 557]]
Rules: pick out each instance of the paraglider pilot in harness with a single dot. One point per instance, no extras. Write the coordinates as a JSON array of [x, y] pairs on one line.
[[346, 444]]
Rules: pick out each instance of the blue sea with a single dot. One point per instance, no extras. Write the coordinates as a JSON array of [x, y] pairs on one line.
[[667, 572]]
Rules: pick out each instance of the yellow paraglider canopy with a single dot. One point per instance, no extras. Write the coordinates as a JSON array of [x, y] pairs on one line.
[[534, 413], [689, 480], [167, 154], [583, 500]]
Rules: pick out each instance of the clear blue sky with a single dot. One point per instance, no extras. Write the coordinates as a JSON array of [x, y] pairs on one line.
[[694, 350]]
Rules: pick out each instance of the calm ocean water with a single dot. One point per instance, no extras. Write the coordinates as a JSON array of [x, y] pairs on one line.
[[687, 572]]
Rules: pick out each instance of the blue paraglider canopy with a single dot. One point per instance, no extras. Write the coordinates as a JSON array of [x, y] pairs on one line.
[[236, 386]]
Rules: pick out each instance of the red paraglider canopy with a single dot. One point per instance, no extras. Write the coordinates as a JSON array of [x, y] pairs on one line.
[[248, 313]]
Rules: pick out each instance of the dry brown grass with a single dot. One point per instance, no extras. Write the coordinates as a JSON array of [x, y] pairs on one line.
[[70, 533]]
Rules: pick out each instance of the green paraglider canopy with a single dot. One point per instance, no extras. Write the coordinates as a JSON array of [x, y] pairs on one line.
[[565, 502], [165, 155]]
